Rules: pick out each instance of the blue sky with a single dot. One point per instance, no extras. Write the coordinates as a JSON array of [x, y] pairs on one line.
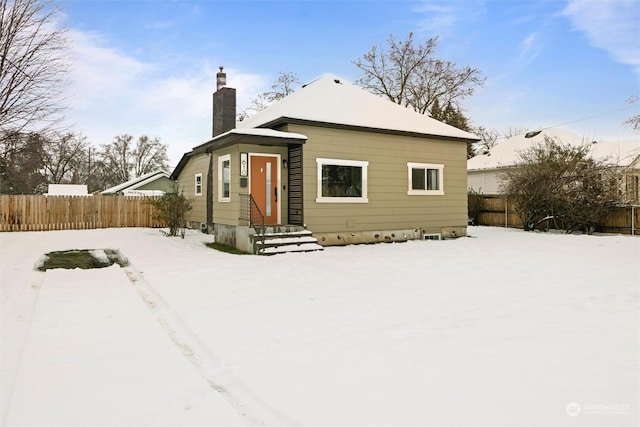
[[148, 66]]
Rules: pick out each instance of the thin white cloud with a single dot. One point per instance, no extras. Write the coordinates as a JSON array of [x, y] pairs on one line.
[[113, 93], [610, 25], [444, 18], [529, 48]]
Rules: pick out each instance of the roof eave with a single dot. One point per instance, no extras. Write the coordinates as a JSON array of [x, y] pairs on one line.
[[229, 139], [292, 120]]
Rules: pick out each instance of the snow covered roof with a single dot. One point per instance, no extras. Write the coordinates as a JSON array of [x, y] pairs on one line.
[[262, 132], [507, 152], [137, 182], [67, 190], [332, 100]]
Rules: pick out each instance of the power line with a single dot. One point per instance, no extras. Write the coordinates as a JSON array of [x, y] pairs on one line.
[[631, 104]]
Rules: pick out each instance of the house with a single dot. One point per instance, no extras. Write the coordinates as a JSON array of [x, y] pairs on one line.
[[484, 171], [332, 159], [155, 183], [67, 190]]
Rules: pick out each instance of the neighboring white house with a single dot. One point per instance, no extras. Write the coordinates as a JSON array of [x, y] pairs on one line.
[[484, 171], [67, 190], [155, 183]]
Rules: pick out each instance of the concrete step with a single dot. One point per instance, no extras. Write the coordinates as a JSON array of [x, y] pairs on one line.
[[277, 241]]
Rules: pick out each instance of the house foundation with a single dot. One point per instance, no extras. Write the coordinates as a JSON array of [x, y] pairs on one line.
[[389, 236]]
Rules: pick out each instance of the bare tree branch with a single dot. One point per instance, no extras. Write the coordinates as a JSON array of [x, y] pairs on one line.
[[65, 158], [283, 86], [409, 75], [33, 64]]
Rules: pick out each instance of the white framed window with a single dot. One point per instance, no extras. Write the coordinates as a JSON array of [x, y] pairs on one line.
[[425, 179], [198, 184], [224, 178], [342, 181]]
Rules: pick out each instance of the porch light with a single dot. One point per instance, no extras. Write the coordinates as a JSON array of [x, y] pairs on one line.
[[285, 164]]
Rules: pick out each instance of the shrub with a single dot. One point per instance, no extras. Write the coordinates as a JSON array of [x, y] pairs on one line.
[[171, 208], [561, 184], [475, 205]]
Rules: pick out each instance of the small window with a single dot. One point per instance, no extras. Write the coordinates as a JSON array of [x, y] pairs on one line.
[[425, 179], [342, 181], [224, 178], [198, 184]]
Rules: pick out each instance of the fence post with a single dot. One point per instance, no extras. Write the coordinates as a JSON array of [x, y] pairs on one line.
[[506, 211]]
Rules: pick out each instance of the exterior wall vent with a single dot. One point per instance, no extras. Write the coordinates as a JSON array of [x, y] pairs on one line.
[[433, 236]]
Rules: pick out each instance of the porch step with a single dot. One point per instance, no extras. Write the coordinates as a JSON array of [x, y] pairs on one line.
[[277, 240]]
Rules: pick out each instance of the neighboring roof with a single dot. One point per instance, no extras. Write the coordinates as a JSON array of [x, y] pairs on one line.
[[621, 153], [507, 152], [67, 190], [332, 100], [137, 182]]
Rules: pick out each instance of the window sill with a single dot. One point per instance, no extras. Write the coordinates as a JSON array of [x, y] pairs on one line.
[[425, 193], [342, 200]]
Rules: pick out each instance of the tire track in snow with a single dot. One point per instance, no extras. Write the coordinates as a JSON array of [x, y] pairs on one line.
[[13, 345], [244, 401]]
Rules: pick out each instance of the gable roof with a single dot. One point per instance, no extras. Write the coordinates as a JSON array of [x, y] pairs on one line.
[[137, 182], [331, 100], [507, 152]]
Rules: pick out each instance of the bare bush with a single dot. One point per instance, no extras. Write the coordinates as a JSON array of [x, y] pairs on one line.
[[554, 183]]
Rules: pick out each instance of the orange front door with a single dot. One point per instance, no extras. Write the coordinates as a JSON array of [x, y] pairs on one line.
[[264, 186]]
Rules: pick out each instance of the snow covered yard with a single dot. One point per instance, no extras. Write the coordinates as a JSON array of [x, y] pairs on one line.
[[503, 328]]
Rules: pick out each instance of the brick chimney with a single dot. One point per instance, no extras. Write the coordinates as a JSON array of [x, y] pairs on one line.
[[224, 105]]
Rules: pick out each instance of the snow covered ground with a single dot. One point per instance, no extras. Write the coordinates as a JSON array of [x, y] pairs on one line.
[[502, 328]]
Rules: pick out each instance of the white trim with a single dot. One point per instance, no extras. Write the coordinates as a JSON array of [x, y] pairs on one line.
[[425, 166], [195, 184], [137, 182], [221, 160], [279, 179], [340, 162]]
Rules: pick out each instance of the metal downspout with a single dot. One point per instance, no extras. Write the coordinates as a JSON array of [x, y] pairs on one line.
[[210, 194]]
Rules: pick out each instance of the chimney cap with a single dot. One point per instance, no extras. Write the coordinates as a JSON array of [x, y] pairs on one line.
[[221, 68], [221, 79]]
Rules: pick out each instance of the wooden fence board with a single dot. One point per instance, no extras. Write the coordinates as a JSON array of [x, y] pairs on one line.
[[42, 213], [622, 220]]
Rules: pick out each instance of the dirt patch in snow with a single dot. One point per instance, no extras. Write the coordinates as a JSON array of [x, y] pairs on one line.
[[81, 258]]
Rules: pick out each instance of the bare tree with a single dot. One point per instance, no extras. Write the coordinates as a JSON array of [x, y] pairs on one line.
[[634, 121], [514, 131], [284, 85], [65, 158], [122, 159], [408, 74], [149, 155], [488, 139], [33, 65], [116, 160], [21, 163]]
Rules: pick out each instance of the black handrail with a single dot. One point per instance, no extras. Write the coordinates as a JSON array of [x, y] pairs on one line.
[[250, 211]]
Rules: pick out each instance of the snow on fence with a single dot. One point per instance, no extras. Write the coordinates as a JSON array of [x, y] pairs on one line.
[[41, 213], [500, 211]]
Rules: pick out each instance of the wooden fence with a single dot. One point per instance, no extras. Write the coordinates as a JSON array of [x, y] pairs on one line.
[[499, 211], [41, 213]]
